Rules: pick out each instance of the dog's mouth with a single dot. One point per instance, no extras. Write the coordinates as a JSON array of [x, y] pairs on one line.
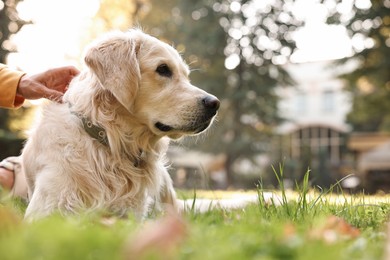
[[192, 128], [202, 127], [162, 127]]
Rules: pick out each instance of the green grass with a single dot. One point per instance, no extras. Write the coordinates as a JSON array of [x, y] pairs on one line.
[[289, 228]]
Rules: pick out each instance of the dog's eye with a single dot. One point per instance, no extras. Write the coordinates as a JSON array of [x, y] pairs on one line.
[[164, 70]]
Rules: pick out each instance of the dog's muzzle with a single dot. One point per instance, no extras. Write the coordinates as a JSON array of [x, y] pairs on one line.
[[209, 108]]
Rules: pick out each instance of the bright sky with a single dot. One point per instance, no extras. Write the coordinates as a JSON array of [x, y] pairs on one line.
[[317, 40], [56, 36], [60, 26]]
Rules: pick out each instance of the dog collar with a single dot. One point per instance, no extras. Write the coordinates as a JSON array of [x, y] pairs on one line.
[[99, 133], [95, 131]]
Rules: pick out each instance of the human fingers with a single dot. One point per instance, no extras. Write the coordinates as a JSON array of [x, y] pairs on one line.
[[53, 95], [67, 71], [73, 71], [59, 78]]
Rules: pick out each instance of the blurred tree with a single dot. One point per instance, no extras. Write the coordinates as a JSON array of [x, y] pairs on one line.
[[10, 24], [368, 24], [118, 14], [236, 48]]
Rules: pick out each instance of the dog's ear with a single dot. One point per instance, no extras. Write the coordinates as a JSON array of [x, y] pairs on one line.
[[114, 62]]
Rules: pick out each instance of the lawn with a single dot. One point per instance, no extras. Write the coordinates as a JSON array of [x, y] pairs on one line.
[[302, 225]]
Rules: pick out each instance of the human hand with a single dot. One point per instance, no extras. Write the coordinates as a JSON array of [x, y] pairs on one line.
[[50, 84]]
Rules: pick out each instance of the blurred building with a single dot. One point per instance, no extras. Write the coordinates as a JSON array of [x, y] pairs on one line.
[[371, 153], [313, 134], [196, 170]]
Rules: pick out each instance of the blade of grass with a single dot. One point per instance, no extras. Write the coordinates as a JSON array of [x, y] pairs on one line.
[[302, 195], [328, 191], [279, 176], [193, 202]]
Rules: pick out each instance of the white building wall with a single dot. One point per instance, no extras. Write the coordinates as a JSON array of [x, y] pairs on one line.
[[316, 99]]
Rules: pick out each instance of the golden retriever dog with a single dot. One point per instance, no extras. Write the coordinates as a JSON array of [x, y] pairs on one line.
[[104, 147]]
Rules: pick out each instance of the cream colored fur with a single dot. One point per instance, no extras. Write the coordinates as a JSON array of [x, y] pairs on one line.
[[120, 90]]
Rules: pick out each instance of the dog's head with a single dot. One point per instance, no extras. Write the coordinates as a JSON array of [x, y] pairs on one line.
[[150, 79]]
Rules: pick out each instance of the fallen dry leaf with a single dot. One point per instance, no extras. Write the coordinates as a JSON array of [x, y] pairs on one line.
[[8, 220], [333, 230], [289, 230], [159, 239]]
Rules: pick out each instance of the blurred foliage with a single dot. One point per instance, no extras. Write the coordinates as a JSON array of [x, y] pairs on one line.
[[235, 49], [118, 15], [10, 24], [370, 82], [12, 125]]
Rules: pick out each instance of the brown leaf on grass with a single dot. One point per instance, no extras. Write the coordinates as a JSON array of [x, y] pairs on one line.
[[159, 239], [8, 220], [289, 230], [333, 230]]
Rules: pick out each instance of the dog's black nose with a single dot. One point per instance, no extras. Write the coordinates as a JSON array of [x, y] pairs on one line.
[[211, 103]]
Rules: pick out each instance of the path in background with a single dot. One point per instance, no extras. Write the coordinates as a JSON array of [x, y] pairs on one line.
[[208, 200], [235, 201]]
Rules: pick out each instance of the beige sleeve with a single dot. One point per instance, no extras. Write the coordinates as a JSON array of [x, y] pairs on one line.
[[9, 80]]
